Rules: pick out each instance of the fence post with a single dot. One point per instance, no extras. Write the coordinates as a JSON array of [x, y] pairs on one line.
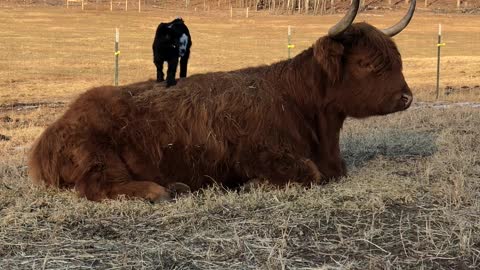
[[247, 13], [289, 41], [117, 53], [126, 5], [231, 12], [439, 46], [139, 6], [82, 4], [111, 5]]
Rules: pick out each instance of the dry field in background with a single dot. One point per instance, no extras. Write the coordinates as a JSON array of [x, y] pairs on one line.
[[53, 54], [411, 200]]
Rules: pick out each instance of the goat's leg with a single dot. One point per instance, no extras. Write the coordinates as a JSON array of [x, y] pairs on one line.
[[160, 74], [184, 64], [172, 68]]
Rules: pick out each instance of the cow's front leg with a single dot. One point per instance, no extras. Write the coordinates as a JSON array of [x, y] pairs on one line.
[[332, 168], [172, 68], [327, 154], [147, 190], [280, 169]]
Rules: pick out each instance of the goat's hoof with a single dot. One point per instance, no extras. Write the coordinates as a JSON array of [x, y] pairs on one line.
[[171, 83]]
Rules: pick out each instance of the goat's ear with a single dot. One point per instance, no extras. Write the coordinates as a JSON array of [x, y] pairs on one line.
[[328, 53]]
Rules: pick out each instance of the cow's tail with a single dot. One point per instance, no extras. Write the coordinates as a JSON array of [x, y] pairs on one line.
[[43, 160]]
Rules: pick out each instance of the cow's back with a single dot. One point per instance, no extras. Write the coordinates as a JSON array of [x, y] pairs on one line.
[[206, 124]]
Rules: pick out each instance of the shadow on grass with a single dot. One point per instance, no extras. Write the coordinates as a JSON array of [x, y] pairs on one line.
[[358, 149]]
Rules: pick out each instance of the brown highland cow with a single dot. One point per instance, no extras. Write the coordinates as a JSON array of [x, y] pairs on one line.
[[277, 123]]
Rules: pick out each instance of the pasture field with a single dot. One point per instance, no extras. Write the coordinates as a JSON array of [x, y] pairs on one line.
[[411, 200]]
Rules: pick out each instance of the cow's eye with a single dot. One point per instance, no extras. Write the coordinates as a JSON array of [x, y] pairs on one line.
[[363, 64]]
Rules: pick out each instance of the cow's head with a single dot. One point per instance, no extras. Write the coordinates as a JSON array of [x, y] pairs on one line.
[[364, 66]]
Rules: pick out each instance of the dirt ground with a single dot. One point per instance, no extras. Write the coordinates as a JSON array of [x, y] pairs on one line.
[[411, 200]]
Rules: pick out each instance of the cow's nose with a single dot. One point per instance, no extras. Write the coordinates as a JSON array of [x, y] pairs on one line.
[[407, 100]]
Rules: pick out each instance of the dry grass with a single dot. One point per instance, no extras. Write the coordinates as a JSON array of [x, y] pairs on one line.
[[411, 200]]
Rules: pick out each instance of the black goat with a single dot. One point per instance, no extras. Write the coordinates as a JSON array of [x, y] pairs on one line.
[[172, 41]]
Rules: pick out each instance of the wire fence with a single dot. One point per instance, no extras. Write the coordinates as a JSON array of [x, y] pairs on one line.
[[70, 51], [272, 6]]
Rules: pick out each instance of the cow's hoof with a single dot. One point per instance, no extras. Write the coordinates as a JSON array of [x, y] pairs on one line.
[[158, 194], [254, 183], [160, 80], [314, 173], [161, 199], [178, 188]]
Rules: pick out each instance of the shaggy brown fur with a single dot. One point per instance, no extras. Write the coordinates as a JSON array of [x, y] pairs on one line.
[[279, 122]]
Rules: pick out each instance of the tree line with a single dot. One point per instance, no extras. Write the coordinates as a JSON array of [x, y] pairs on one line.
[[293, 6]]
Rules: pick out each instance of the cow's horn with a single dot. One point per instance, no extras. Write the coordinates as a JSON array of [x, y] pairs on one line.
[[346, 21], [397, 28]]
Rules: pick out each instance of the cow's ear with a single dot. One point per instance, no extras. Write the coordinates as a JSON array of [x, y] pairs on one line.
[[328, 53]]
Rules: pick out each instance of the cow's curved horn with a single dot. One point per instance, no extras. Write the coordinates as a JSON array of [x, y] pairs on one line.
[[397, 28], [346, 21]]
